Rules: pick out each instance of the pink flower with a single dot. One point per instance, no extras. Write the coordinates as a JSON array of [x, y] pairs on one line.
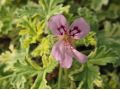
[[63, 51]]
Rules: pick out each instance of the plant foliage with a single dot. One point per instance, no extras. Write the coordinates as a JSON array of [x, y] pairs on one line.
[[26, 43]]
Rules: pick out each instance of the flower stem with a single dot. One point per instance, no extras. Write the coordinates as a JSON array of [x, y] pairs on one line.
[[66, 76], [59, 77]]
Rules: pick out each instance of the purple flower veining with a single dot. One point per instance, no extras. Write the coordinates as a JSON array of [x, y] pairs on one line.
[[63, 50]]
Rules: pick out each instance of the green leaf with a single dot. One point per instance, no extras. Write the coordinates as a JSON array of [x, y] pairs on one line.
[[44, 47], [9, 58], [110, 37], [31, 32], [102, 56], [86, 76], [18, 81], [97, 4], [1, 25], [51, 64], [111, 80], [40, 81], [52, 7], [88, 40], [31, 9]]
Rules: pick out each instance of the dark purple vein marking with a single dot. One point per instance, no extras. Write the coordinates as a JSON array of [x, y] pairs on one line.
[[75, 29], [61, 29]]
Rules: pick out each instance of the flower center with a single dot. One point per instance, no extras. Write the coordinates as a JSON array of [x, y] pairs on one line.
[[64, 35], [67, 39]]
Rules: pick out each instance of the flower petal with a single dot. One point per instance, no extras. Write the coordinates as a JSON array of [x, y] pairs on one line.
[[67, 61], [79, 28], [79, 56], [58, 24], [56, 51], [63, 54]]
